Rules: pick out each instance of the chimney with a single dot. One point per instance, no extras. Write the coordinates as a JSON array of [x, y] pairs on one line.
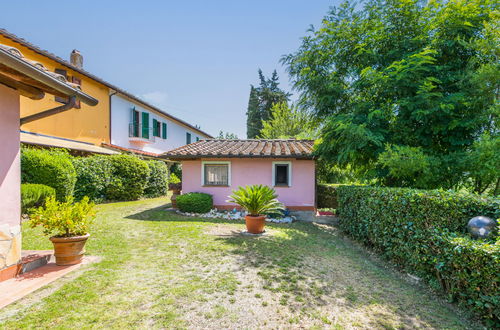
[[76, 59]]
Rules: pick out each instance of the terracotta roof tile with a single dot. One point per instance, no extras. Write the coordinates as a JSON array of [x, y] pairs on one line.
[[244, 148]]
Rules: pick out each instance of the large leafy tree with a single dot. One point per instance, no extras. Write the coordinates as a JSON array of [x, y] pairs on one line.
[[261, 101], [404, 88]]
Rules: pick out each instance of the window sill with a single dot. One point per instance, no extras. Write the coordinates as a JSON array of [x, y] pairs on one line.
[[215, 186], [282, 186]]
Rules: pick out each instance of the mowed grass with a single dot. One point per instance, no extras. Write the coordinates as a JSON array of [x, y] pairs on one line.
[[162, 270]]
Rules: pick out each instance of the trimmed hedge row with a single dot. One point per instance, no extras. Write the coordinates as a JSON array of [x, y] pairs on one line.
[[157, 184], [115, 177], [93, 175], [195, 202], [34, 195], [128, 178], [425, 231], [49, 167]]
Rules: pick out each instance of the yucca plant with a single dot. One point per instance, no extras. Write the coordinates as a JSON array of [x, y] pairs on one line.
[[256, 199]]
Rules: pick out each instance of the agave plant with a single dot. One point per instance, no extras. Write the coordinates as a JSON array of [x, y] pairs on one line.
[[256, 199]]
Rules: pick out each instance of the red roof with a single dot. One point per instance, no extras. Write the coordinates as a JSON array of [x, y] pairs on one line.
[[244, 149]]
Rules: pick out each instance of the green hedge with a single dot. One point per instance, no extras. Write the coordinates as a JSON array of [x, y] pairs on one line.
[[158, 179], [49, 167], [93, 175], [34, 195], [195, 202], [129, 177], [425, 231]]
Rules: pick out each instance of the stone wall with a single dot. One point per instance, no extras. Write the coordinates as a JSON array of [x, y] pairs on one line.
[[10, 245]]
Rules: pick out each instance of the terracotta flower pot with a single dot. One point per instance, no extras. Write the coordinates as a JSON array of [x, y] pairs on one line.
[[255, 225], [69, 250]]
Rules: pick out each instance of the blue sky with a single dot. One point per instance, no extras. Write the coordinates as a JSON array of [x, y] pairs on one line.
[[194, 59]]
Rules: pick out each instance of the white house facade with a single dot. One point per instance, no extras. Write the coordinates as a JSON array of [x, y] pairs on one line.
[[140, 127]]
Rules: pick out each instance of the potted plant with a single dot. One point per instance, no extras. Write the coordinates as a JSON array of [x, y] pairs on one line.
[[68, 225], [257, 200], [175, 185]]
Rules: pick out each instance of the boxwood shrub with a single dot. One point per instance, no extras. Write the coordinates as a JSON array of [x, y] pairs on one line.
[[129, 177], [195, 202], [34, 195], [49, 167], [425, 232], [158, 179], [93, 175]]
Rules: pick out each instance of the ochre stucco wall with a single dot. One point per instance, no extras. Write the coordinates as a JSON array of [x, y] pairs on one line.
[[10, 178], [88, 124], [246, 171]]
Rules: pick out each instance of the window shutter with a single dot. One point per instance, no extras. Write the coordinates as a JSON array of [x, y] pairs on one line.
[[155, 128], [188, 138], [145, 125], [164, 130], [134, 129]]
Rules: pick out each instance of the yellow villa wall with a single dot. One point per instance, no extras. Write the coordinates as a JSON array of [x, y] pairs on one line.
[[87, 124]]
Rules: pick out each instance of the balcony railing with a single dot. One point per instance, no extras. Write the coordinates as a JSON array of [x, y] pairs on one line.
[[138, 132]]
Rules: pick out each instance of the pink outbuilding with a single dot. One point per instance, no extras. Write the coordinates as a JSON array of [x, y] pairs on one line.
[[217, 167]]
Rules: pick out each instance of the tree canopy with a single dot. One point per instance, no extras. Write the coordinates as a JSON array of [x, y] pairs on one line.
[[404, 89], [288, 122]]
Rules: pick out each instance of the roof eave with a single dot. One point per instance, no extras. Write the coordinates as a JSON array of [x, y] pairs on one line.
[[194, 157]]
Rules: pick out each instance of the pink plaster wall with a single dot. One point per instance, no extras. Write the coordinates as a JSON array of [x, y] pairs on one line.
[[246, 171], [10, 172]]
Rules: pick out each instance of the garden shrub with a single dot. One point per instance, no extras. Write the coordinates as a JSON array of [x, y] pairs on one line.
[[93, 175], [49, 167], [326, 195], [129, 177], [158, 179], [425, 231], [195, 202], [34, 195]]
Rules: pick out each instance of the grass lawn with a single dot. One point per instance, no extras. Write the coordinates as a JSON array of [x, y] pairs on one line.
[[162, 270]]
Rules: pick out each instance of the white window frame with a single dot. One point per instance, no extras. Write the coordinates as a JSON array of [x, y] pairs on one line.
[[289, 173], [208, 162]]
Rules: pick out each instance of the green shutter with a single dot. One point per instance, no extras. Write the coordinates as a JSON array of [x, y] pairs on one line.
[[135, 122], [145, 125], [188, 138], [155, 128], [164, 130]]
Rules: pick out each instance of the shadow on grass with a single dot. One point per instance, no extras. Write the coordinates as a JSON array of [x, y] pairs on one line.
[[308, 266]]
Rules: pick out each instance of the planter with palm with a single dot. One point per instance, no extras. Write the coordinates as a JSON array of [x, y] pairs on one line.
[[257, 200]]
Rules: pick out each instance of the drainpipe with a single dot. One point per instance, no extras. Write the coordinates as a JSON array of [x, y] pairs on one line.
[[70, 105]]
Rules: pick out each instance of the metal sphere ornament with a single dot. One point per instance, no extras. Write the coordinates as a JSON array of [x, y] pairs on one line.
[[481, 227]]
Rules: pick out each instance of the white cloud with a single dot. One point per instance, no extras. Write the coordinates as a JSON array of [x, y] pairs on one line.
[[157, 98]]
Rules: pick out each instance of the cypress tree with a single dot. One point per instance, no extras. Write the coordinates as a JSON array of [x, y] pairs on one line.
[[254, 121], [261, 101]]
